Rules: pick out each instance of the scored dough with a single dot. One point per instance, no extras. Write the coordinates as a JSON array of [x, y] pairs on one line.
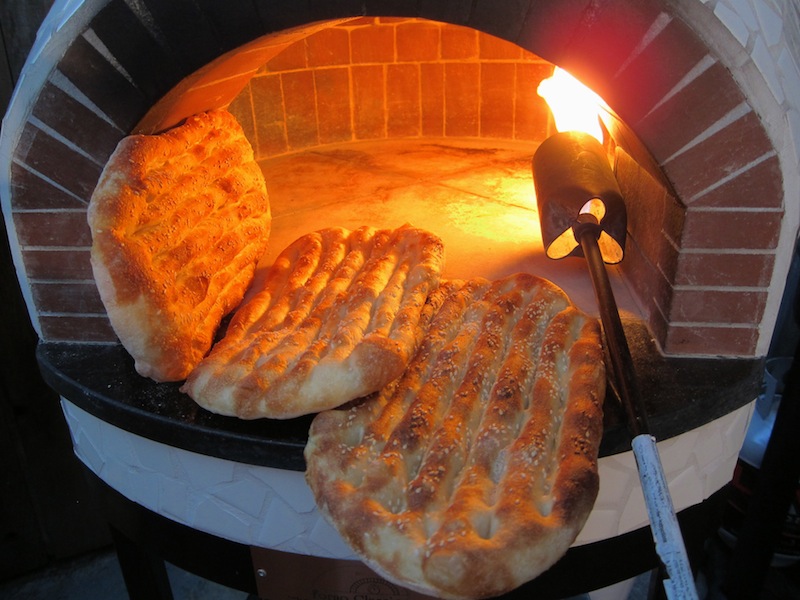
[[475, 471], [335, 317], [178, 221]]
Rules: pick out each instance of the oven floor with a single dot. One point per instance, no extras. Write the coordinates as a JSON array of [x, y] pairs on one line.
[[478, 199]]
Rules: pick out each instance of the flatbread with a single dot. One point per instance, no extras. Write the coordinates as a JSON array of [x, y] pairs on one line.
[[475, 471], [178, 221], [334, 318]]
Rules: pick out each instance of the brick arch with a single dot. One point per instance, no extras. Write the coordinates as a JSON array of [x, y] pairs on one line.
[[722, 208]]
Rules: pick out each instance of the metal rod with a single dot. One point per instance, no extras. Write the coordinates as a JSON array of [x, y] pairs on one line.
[[587, 230], [670, 547]]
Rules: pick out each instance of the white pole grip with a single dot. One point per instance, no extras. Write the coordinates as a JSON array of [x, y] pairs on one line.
[[663, 520]]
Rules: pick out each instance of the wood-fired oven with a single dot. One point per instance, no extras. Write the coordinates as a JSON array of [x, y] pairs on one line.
[[389, 111]]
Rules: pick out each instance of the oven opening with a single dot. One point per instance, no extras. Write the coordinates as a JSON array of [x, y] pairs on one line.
[[384, 121], [699, 175]]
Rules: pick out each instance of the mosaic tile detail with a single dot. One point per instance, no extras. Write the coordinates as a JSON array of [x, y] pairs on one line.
[[274, 508]]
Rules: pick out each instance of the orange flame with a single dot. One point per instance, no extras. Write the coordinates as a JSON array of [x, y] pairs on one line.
[[575, 107]]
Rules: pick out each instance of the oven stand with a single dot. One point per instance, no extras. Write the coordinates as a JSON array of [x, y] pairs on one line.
[[144, 573], [144, 540]]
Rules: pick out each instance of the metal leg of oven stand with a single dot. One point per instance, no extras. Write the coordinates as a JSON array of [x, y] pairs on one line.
[[144, 573], [145, 541]]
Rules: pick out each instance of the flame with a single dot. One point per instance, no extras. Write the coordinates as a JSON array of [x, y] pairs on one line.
[[575, 107]]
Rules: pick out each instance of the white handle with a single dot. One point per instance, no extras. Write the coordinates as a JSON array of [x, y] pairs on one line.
[[663, 520]]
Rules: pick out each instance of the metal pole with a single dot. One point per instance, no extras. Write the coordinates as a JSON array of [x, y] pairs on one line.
[[670, 546]]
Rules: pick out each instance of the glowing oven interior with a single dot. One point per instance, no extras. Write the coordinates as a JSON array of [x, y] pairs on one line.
[[406, 120]]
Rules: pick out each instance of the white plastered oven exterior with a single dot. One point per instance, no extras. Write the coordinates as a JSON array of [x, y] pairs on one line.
[[274, 508]]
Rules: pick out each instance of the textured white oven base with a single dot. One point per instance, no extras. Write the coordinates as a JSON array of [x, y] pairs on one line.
[[274, 508]]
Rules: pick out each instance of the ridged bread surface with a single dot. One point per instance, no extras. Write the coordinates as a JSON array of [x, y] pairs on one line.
[[475, 471]]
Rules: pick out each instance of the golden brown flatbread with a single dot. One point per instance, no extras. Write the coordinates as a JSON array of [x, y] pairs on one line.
[[334, 318], [178, 221], [475, 471]]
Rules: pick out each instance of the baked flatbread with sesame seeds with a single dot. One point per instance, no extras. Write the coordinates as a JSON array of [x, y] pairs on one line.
[[178, 221], [335, 317], [476, 470]]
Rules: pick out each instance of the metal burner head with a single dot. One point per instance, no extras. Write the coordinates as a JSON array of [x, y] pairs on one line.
[[572, 177]]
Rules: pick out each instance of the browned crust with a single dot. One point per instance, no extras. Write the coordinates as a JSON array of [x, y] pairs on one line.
[[477, 469], [178, 221], [334, 318]]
